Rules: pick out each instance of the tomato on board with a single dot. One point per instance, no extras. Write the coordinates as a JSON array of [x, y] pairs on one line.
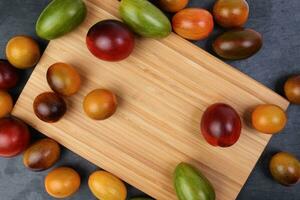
[[62, 182], [106, 186], [100, 104], [14, 137], [231, 13], [173, 5], [193, 23], [63, 79], [268, 118]]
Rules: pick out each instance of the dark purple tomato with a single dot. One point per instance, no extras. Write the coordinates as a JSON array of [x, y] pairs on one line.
[[238, 44], [49, 107], [221, 125], [110, 40], [9, 75], [14, 137]]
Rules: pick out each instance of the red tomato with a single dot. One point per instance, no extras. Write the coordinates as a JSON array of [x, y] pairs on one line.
[[110, 40], [14, 137], [193, 23]]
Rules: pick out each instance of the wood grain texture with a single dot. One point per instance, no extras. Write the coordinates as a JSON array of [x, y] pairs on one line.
[[163, 89]]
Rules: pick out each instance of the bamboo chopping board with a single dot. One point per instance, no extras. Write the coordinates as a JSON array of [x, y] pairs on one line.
[[163, 89]]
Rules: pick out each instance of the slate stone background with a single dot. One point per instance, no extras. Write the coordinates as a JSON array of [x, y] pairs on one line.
[[277, 20]]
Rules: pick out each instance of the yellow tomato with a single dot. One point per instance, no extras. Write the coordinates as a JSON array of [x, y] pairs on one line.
[[22, 52], [106, 186], [6, 103], [268, 118], [62, 182]]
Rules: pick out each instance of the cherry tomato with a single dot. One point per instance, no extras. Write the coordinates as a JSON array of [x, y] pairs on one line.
[[238, 44], [231, 13], [110, 40], [221, 125], [106, 186], [173, 5], [14, 137], [62, 182], [41, 155], [6, 103], [22, 52], [193, 23], [285, 168], [9, 75], [100, 104], [268, 118], [292, 89], [49, 107], [63, 79]]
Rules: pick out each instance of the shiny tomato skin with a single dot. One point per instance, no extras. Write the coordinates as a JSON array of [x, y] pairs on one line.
[[173, 5], [14, 137], [292, 89], [231, 13], [193, 23], [221, 125], [110, 40], [9, 75]]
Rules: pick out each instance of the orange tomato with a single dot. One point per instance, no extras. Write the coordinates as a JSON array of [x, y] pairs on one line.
[[173, 5], [106, 186], [100, 104], [231, 13], [193, 23], [6, 103], [22, 52], [268, 118], [62, 182]]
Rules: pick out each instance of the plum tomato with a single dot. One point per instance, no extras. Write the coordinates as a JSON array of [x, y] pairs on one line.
[[193, 23], [6, 103], [22, 52], [221, 125], [237, 44], [100, 104], [63, 79], [292, 89], [231, 13], [285, 168], [110, 40], [14, 137], [106, 186], [268, 118], [41, 155], [173, 5], [49, 107], [9, 75], [62, 182]]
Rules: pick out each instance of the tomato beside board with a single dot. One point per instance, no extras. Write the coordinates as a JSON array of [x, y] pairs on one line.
[[9, 76], [14, 137], [6, 103], [292, 89], [173, 5], [237, 44], [231, 13], [193, 23]]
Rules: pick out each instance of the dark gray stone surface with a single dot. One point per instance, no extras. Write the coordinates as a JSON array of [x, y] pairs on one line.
[[277, 20]]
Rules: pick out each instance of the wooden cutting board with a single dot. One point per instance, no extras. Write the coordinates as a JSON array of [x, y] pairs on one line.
[[163, 89]]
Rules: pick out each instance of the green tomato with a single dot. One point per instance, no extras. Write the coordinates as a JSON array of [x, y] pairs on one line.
[[145, 19], [60, 17], [190, 184]]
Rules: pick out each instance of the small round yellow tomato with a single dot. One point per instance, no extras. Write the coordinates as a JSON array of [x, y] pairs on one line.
[[22, 52], [100, 104], [6, 103], [106, 186], [269, 118], [63, 79], [62, 182]]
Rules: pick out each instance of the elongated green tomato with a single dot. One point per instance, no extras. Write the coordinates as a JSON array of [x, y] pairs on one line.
[[60, 17], [145, 19], [190, 184]]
